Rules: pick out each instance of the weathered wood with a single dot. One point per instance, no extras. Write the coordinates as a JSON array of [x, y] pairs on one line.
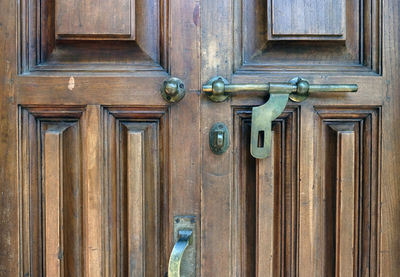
[[266, 209], [95, 164], [346, 211], [107, 18], [306, 18], [52, 225], [338, 194], [135, 231]]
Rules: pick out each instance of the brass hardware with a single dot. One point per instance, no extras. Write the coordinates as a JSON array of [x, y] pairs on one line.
[[261, 124], [182, 262], [219, 138], [173, 90], [218, 89]]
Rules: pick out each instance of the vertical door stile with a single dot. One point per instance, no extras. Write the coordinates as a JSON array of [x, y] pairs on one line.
[[217, 257], [92, 191]]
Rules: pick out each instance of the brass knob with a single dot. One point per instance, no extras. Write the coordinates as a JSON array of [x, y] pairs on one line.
[[173, 90]]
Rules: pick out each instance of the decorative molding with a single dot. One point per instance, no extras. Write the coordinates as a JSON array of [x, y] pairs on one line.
[[258, 51], [136, 191], [51, 186], [306, 20], [348, 176], [43, 51], [266, 198]]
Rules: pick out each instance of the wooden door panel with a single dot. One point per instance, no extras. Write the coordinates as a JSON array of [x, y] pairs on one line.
[[270, 213], [266, 207], [119, 224], [94, 164], [136, 191], [67, 36], [307, 36], [306, 19], [334, 161], [77, 19], [347, 174], [52, 185]]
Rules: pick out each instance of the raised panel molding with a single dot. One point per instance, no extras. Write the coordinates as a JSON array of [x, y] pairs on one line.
[[347, 166], [266, 199], [136, 191], [106, 18], [91, 36], [94, 191], [51, 201], [313, 36], [307, 19]]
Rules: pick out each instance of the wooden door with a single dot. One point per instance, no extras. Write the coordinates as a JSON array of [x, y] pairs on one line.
[[327, 200], [95, 165]]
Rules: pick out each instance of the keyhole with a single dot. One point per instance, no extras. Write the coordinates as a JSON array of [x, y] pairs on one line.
[[260, 142]]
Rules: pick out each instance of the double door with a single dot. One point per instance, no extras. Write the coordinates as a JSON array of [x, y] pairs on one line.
[[102, 176]]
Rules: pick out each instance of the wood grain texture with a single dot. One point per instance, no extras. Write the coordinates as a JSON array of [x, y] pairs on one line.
[[136, 192], [346, 203], [107, 18], [348, 173], [390, 188], [216, 170], [267, 216], [65, 36], [135, 231], [52, 184], [357, 49], [307, 18], [336, 134], [266, 201], [51, 227], [92, 191], [10, 216]]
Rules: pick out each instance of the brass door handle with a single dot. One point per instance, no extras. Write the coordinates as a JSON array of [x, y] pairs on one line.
[[218, 89], [174, 266]]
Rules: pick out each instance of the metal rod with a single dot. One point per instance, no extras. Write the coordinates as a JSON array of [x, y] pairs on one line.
[[218, 89], [333, 88], [232, 88]]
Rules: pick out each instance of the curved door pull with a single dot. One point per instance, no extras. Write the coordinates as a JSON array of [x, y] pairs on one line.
[[174, 266], [218, 89]]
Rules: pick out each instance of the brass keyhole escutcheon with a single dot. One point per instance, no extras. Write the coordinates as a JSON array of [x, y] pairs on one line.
[[219, 138]]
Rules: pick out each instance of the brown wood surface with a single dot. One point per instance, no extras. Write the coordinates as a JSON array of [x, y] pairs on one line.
[[307, 18], [106, 18], [94, 164]]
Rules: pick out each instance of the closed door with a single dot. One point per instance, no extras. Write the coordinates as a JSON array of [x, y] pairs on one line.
[[108, 171]]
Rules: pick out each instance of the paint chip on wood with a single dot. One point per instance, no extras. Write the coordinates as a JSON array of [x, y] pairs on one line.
[[71, 83]]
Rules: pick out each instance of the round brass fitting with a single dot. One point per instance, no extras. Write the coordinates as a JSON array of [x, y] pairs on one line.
[[217, 92], [173, 90], [302, 92]]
